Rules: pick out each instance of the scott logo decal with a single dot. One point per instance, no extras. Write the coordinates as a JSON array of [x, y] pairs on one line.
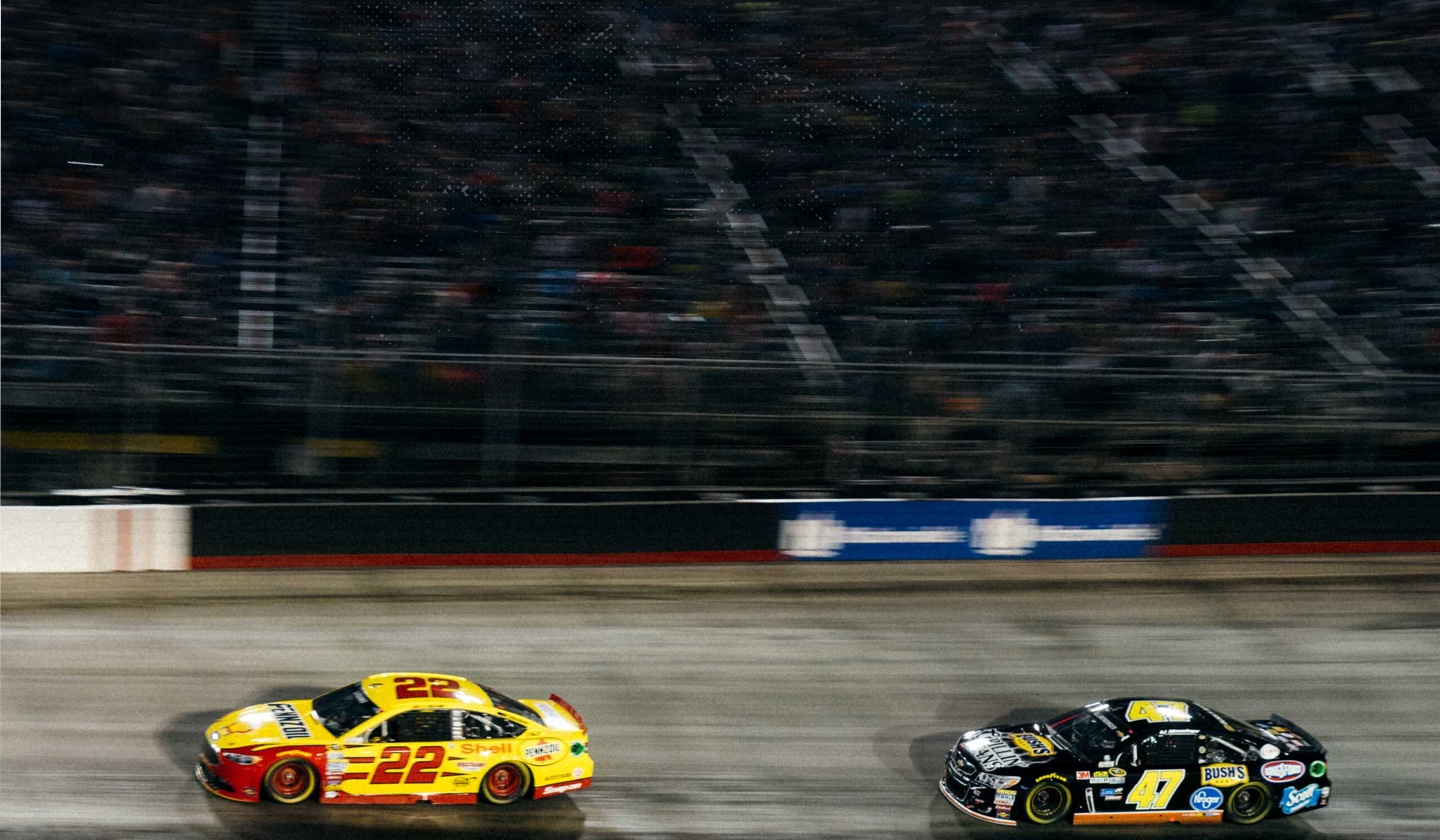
[[1282, 771], [1292, 800], [1205, 799]]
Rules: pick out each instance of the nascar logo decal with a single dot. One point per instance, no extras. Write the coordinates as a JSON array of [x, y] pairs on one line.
[[292, 725], [1032, 744], [1224, 775], [1282, 771]]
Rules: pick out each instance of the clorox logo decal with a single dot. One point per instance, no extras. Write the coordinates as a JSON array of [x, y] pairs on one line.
[[1205, 799], [1224, 775]]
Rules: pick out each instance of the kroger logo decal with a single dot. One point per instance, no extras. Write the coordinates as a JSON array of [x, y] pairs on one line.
[[1205, 799], [1282, 771]]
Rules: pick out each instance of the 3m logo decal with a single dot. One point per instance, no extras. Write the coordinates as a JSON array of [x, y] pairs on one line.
[[292, 725], [1032, 744], [1282, 771], [1155, 789], [1224, 775], [1157, 711]]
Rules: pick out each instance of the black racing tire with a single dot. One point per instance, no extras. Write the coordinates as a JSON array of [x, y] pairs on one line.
[[505, 783], [1248, 803], [1047, 803], [290, 781]]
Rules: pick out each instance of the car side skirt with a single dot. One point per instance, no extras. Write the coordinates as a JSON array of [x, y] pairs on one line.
[[557, 788], [1148, 817], [335, 797], [953, 801]]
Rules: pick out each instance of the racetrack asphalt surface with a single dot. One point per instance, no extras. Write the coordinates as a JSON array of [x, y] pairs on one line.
[[734, 702]]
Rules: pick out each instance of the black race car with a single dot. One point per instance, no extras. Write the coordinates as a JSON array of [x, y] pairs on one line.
[[1135, 760]]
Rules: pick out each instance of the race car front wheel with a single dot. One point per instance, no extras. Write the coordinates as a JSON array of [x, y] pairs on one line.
[[1047, 802], [288, 782], [505, 783], [1248, 803]]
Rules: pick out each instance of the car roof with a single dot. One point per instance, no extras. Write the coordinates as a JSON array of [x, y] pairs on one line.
[[1142, 714], [422, 689]]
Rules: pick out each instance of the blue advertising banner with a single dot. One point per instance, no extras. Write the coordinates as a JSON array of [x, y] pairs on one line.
[[970, 530]]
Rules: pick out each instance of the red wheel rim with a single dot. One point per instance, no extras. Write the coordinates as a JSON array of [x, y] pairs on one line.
[[289, 781], [504, 782]]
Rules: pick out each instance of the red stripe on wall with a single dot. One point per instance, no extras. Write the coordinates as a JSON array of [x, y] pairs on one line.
[[320, 561], [1271, 549]]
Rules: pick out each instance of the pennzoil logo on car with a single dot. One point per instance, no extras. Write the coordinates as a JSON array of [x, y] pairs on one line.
[[1224, 775], [542, 750], [292, 725], [1035, 745]]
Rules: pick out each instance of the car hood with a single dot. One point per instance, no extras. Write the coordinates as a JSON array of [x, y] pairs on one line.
[[285, 721], [1009, 748]]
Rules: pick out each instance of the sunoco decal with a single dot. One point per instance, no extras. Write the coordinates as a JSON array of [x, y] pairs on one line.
[[292, 725]]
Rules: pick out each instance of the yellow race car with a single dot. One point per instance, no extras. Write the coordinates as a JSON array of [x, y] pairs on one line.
[[398, 738]]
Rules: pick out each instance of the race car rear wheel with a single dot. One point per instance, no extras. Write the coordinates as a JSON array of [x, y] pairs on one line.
[[1248, 803], [1047, 802], [505, 783], [291, 781]]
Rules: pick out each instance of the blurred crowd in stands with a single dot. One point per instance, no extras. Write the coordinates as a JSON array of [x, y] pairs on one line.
[[512, 177], [503, 177]]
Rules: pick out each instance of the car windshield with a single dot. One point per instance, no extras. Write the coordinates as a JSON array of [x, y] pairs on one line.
[[344, 709], [1089, 733], [511, 705]]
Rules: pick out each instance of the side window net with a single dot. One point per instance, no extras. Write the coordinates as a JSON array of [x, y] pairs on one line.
[[477, 726]]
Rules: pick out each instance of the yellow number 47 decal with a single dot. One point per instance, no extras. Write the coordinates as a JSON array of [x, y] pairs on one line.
[[1155, 789], [1157, 711]]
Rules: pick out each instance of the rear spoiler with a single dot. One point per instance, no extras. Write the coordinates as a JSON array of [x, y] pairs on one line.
[[570, 710]]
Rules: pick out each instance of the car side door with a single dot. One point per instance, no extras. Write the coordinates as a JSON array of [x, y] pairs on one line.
[[400, 755], [1160, 772]]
